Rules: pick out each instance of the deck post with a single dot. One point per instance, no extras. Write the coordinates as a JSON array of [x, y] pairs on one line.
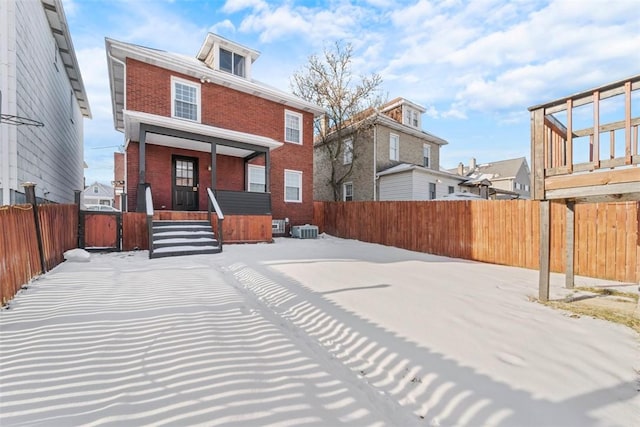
[[77, 198], [545, 249], [140, 198], [571, 231], [213, 167]]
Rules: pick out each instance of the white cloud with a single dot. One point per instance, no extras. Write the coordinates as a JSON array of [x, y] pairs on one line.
[[223, 27], [232, 6]]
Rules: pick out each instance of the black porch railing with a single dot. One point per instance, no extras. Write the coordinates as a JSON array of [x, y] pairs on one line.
[[244, 203]]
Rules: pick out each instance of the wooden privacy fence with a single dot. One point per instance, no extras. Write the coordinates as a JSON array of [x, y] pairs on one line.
[[19, 254], [607, 240]]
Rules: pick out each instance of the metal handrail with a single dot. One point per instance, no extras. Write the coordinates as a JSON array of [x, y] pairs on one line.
[[213, 201], [148, 199]]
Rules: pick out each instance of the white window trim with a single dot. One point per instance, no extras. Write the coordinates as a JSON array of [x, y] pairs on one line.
[[344, 191], [397, 150], [347, 155], [299, 116], [261, 169], [197, 86], [299, 173]]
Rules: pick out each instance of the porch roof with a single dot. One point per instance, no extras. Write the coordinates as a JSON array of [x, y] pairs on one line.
[[133, 119]]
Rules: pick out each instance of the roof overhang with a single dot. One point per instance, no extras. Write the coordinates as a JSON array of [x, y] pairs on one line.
[[118, 52], [228, 142], [60, 30], [407, 167], [212, 39]]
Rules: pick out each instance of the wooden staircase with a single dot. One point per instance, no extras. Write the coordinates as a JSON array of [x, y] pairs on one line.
[[176, 238]]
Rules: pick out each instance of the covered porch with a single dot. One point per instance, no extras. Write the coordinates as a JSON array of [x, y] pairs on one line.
[[180, 159]]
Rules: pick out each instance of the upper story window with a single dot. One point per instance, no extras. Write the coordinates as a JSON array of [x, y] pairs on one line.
[[232, 62], [347, 151], [185, 99], [426, 155], [293, 127], [394, 147], [411, 117], [256, 179], [95, 189]]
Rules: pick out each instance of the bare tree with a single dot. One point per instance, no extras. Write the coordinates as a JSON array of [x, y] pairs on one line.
[[349, 104]]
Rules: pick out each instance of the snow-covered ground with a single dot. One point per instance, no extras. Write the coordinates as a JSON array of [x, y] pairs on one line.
[[307, 332]]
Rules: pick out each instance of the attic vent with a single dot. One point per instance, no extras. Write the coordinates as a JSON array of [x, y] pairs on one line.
[[304, 231]]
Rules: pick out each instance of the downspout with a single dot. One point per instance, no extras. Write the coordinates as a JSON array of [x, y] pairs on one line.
[[126, 145], [375, 161], [124, 80]]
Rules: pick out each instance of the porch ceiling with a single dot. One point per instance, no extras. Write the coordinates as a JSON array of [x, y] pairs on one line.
[[133, 120]]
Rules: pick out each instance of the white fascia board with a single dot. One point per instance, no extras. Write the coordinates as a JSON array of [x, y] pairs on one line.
[[389, 122], [161, 59], [133, 119]]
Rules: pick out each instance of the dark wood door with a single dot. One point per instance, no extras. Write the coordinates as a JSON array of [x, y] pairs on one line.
[[185, 183]]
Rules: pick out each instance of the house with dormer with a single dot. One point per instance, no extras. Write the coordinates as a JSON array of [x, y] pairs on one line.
[[394, 159], [193, 123]]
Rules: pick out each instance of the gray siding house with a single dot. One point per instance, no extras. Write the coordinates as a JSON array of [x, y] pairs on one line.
[[394, 138], [40, 84], [507, 179]]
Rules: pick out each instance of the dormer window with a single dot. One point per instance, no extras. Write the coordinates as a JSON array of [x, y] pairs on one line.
[[411, 117], [232, 63]]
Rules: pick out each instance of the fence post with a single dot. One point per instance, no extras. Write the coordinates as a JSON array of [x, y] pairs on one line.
[[77, 196], [30, 193]]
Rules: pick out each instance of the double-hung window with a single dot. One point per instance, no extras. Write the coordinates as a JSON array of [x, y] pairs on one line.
[[347, 151], [347, 191], [293, 127], [256, 179], [232, 62], [394, 147], [432, 191], [292, 186], [185, 99], [426, 155]]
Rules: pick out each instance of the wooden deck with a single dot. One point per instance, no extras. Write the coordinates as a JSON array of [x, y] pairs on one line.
[[585, 146]]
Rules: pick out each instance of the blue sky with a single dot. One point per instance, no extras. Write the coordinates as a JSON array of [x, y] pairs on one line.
[[475, 65]]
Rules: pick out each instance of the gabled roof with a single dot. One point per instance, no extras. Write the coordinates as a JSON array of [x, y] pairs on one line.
[[502, 169], [60, 30], [118, 52], [407, 167], [103, 190]]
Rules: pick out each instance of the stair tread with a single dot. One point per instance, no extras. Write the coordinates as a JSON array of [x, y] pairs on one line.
[[185, 240], [185, 249]]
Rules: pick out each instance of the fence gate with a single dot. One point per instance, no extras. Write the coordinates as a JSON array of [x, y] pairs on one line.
[[100, 230]]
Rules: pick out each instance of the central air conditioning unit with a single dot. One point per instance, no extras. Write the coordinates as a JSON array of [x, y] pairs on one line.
[[277, 227], [304, 231]]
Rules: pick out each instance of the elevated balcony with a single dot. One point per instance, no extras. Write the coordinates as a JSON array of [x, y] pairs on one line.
[[585, 146]]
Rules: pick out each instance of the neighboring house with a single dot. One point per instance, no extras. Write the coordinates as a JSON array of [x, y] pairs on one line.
[[118, 181], [504, 179], [43, 103], [190, 123], [414, 182], [98, 194], [395, 159]]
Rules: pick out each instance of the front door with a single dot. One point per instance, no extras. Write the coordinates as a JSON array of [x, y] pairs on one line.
[[185, 183]]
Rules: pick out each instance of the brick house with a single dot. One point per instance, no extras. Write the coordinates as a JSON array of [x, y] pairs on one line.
[[394, 159], [192, 123]]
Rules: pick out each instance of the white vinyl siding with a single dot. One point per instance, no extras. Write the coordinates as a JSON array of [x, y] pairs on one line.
[[256, 179], [185, 99], [292, 186], [394, 147], [414, 185], [52, 155], [293, 127]]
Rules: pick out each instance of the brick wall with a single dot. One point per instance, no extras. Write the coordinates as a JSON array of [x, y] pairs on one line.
[[149, 91]]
